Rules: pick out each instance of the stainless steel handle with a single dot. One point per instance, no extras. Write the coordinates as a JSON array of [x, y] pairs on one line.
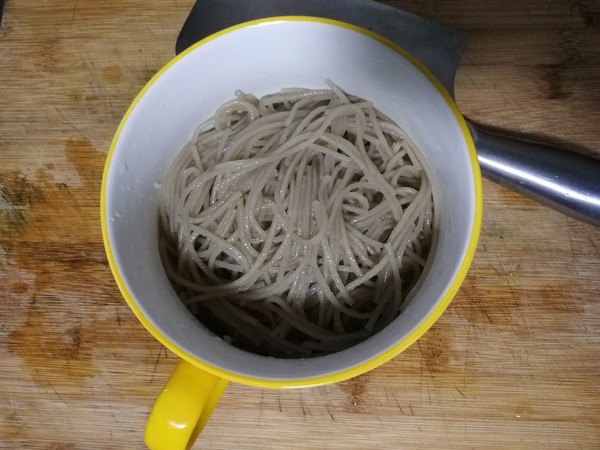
[[562, 179]]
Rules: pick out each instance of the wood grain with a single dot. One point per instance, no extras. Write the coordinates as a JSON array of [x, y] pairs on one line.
[[513, 363]]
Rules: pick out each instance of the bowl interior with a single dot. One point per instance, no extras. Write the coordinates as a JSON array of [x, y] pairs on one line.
[[260, 59]]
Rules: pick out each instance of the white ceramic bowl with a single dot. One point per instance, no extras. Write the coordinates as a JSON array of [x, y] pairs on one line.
[[260, 58]]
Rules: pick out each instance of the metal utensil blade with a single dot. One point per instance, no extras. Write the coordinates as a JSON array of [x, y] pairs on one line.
[[435, 45]]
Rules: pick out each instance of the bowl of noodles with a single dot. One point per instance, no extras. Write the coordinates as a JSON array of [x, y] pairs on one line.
[[290, 202]]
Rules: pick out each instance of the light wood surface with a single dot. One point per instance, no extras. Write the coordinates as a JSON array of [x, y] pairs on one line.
[[513, 363]]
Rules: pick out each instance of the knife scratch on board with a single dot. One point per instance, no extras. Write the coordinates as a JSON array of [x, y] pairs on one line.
[[330, 414], [57, 394], [260, 407], [72, 17], [398, 404]]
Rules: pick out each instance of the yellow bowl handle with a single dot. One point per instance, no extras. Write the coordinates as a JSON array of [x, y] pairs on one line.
[[183, 407]]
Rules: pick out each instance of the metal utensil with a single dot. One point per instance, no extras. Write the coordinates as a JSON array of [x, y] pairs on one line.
[[562, 179]]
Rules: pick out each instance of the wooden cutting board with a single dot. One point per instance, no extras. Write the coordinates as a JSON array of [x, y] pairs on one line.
[[513, 363]]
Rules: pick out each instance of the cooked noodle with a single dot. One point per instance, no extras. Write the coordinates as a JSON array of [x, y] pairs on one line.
[[296, 224]]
